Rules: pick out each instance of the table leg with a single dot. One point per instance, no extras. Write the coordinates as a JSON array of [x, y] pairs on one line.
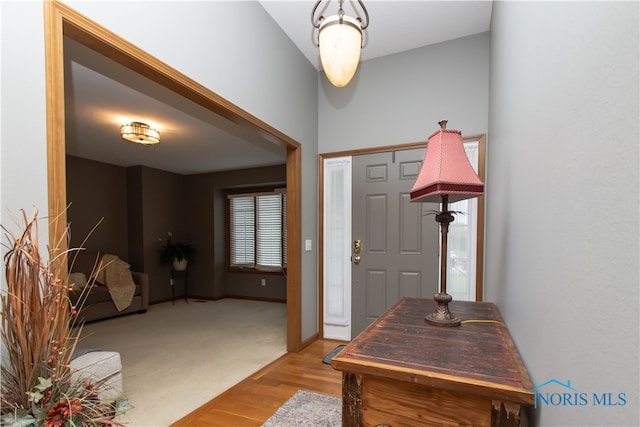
[[505, 414], [351, 400]]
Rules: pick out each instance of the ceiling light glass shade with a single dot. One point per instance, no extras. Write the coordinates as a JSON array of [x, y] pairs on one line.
[[340, 45], [140, 133], [446, 171]]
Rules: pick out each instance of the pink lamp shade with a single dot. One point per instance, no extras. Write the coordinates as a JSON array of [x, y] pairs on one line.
[[446, 170]]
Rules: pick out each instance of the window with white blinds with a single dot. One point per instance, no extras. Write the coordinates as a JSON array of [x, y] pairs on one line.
[[258, 236], [243, 228]]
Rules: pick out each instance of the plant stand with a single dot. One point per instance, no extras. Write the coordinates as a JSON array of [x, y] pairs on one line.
[[175, 273]]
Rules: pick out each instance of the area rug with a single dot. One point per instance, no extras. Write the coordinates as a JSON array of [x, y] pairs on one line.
[[308, 409], [328, 357]]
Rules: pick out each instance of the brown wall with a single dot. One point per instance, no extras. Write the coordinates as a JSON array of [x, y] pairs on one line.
[[94, 191], [163, 211], [141, 205], [209, 202]]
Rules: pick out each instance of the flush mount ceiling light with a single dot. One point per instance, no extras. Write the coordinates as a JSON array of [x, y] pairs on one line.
[[339, 42], [140, 133]]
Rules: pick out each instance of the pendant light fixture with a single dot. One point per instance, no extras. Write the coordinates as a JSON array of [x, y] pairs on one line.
[[339, 42]]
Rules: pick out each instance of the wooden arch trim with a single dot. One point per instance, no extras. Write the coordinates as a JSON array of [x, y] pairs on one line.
[[60, 20]]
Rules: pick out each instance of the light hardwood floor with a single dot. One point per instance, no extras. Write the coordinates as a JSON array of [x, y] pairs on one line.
[[251, 402]]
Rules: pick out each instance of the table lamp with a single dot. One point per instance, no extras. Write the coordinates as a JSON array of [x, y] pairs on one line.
[[446, 176]]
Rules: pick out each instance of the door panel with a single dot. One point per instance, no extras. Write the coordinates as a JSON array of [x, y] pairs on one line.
[[399, 249], [375, 215], [375, 286], [410, 227], [409, 283]]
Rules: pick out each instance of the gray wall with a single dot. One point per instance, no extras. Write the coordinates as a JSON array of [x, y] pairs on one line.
[[23, 153], [193, 37], [562, 205], [569, 69], [400, 98]]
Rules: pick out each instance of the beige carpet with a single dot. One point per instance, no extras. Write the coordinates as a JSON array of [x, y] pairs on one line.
[[177, 357]]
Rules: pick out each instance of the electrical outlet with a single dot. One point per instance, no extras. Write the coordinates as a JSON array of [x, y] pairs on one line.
[[263, 282]]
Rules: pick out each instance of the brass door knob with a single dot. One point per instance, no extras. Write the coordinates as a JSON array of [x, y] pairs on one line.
[[356, 259]]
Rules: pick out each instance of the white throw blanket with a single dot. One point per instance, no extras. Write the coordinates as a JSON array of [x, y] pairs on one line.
[[114, 273]]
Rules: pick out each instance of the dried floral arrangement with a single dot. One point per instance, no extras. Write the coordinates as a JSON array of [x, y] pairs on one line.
[[39, 334]]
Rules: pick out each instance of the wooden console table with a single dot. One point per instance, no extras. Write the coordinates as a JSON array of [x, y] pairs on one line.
[[402, 371]]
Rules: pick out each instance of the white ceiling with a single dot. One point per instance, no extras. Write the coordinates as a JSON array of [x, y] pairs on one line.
[[394, 26], [100, 95]]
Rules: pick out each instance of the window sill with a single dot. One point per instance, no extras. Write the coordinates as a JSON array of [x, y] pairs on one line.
[[249, 270]]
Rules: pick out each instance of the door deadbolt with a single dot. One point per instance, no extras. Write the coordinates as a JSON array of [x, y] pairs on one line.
[[357, 246]]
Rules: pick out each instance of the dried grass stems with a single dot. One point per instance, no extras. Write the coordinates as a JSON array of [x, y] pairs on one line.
[[39, 334]]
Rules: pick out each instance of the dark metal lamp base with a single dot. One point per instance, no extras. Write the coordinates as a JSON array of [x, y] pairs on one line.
[[442, 316]]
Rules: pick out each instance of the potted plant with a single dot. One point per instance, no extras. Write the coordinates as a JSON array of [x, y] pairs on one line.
[[177, 254]]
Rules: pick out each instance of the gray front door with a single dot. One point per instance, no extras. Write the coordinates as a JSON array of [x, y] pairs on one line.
[[399, 240]]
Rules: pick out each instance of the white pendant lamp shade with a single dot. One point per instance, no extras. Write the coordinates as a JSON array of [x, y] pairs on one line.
[[340, 44]]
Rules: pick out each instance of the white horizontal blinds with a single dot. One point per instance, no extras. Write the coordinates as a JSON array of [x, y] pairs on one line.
[[284, 230], [242, 231], [269, 230], [258, 230]]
